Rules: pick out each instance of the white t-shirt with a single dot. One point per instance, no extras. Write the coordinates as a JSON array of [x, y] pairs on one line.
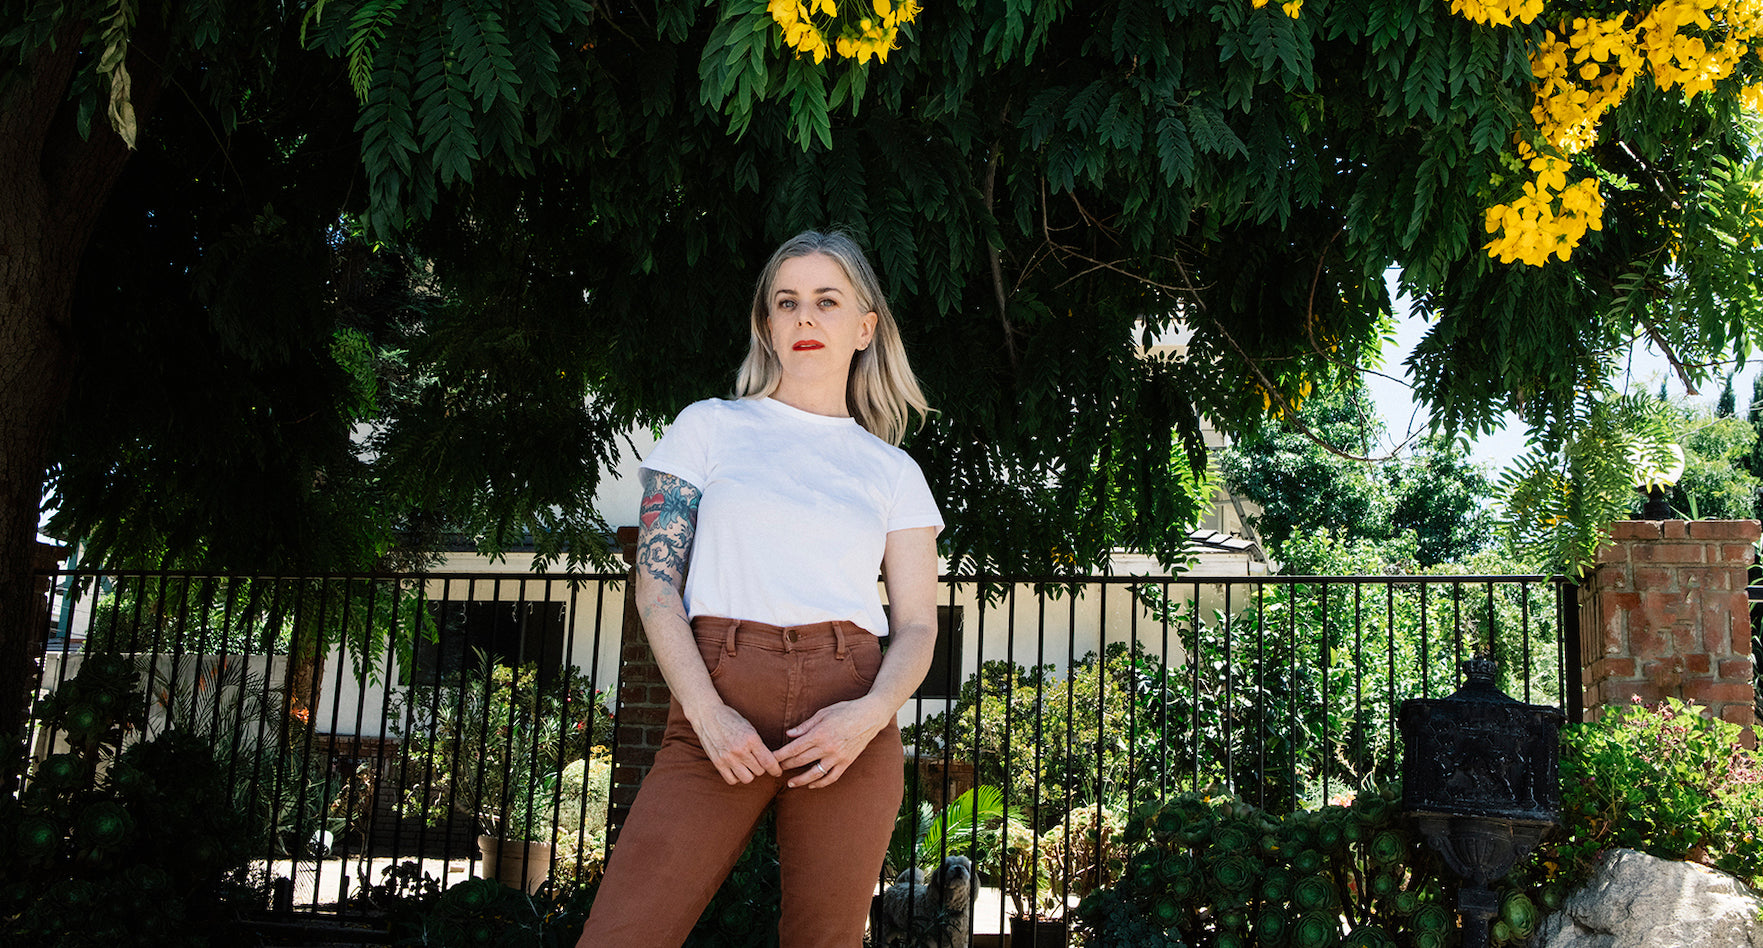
[[795, 512]]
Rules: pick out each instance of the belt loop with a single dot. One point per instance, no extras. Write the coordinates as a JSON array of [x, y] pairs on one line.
[[839, 637], [728, 641]]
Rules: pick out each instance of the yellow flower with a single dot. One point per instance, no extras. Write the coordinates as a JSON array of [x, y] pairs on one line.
[[1292, 7]]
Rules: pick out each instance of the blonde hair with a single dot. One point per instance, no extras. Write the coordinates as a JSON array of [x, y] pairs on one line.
[[881, 388]]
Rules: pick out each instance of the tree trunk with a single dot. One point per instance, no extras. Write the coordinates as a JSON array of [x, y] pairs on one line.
[[53, 185]]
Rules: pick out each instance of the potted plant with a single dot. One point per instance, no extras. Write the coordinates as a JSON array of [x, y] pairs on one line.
[[966, 827], [1045, 874], [494, 749]]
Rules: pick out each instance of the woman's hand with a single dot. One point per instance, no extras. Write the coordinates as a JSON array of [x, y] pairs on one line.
[[831, 739], [837, 733], [733, 746]]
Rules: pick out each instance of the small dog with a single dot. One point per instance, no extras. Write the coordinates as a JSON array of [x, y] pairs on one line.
[[937, 914]]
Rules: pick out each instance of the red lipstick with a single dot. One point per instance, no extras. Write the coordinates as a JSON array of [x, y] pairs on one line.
[[807, 344]]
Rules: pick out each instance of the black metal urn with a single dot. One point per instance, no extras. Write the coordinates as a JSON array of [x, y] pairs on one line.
[[1480, 778]]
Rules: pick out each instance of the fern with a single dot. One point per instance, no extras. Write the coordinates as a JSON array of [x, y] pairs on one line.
[[367, 30], [1559, 499], [1175, 151]]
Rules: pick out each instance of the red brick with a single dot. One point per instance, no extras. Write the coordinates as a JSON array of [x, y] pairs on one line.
[[1686, 639], [1674, 529], [1738, 554], [1662, 610], [1613, 667], [1706, 578], [1668, 553], [1737, 669], [1654, 579], [1666, 673], [1744, 716], [1635, 530], [1714, 633], [1703, 691], [1646, 642], [1609, 556], [1741, 632], [643, 715], [660, 695], [1699, 663], [1744, 531], [1620, 694]]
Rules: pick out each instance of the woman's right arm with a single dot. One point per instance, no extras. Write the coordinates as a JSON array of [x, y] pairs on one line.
[[669, 522]]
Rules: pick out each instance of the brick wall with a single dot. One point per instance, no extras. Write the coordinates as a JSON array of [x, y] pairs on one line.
[[643, 699], [1665, 614]]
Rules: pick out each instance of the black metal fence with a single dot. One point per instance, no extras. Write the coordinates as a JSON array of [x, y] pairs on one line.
[[370, 720]]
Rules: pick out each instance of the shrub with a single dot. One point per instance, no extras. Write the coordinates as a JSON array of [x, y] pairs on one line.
[[495, 743], [1055, 744], [1665, 780], [1210, 870], [134, 847]]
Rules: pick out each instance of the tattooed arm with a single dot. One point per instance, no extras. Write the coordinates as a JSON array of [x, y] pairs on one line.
[[669, 522]]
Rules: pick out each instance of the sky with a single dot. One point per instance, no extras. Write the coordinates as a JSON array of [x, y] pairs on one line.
[[1647, 368]]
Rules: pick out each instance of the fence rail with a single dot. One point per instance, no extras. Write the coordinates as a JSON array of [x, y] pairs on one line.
[[367, 720]]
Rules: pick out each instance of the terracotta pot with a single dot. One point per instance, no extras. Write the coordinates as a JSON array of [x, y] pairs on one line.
[[1028, 932], [508, 860]]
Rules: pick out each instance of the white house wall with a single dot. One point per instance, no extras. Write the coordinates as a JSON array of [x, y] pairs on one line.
[[354, 704]]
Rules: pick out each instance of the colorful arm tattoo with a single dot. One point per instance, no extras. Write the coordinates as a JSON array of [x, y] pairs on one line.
[[669, 516]]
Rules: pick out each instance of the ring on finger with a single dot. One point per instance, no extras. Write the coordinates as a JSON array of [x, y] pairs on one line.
[[819, 767]]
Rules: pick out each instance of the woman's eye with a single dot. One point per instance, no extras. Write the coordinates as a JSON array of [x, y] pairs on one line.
[[786, 304]]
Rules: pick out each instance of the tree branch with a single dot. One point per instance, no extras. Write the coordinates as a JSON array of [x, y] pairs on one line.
[[996, 263]]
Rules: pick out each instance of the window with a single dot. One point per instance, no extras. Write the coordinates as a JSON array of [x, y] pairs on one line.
[[510, 633], [945, 675]]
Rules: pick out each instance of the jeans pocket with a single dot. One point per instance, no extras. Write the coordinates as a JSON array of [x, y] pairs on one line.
[[863, 658], [713, 653]]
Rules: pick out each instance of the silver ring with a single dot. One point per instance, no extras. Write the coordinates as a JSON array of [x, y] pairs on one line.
[[818, 767]]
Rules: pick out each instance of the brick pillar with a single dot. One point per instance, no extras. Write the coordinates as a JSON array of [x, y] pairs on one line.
[[47, 557], [643, 699], [1665, 615]]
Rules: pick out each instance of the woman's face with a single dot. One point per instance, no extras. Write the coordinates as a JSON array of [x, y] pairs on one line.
[[816, 321]]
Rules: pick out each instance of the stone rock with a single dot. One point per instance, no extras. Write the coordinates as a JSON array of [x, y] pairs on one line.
[[1639, 901]]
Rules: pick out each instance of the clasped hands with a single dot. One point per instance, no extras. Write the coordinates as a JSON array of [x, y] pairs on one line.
[[825, 744]]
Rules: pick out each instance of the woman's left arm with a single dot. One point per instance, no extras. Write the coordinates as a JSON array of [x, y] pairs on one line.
[[837, 733]]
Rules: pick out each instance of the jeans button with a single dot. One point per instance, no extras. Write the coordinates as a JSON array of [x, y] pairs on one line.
[[790, 634]]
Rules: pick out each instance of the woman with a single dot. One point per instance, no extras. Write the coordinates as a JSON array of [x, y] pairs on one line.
[[784, 502]]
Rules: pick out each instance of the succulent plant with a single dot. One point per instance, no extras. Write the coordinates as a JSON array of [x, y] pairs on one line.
[[1316, 930], [1314, 892], [1519, 913]]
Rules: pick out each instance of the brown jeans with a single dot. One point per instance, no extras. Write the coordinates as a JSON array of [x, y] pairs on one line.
[[688, 826]]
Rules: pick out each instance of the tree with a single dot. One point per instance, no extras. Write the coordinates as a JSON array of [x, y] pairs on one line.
[[1295, 471], [558, 210], [1715, 484]]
